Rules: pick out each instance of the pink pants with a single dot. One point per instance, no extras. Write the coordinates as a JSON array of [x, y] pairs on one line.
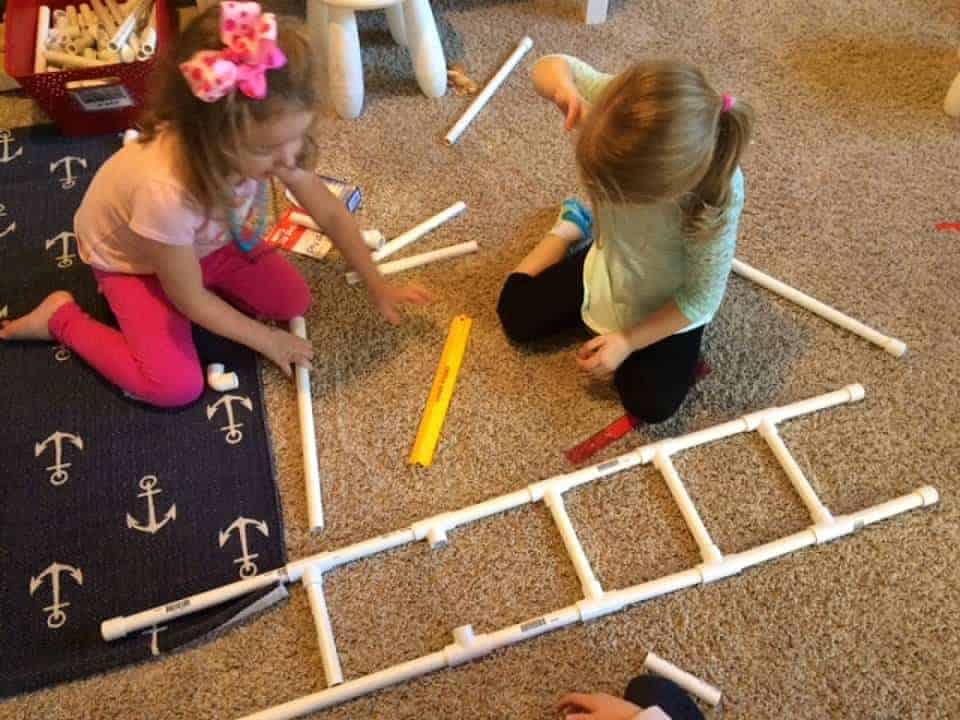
[[152, 355]]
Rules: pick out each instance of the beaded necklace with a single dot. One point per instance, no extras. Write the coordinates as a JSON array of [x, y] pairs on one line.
[[248, 234]]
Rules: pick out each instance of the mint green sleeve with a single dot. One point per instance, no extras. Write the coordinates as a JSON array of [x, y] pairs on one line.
[[708, 264], [589, 81]]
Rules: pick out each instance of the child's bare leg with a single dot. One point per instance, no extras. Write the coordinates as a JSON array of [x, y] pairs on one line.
[[33, 325]]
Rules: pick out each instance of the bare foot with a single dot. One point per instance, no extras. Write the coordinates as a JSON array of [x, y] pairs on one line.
[[33, 325]]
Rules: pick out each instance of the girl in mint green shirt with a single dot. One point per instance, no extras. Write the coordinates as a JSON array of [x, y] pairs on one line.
[[659, 153]]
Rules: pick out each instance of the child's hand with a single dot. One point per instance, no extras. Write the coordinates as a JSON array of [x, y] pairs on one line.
[[389, 299], [596, 706], [286, 349], [571, 104], [602, 355]]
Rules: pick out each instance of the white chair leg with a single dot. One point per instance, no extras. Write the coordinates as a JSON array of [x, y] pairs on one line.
[[343, 62], [395, 21], [596, 11], [426, 52]]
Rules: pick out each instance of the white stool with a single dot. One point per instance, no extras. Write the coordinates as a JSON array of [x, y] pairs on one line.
[[333, 29]]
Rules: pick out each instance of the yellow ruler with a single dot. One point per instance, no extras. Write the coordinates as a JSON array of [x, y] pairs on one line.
[[443, 383]]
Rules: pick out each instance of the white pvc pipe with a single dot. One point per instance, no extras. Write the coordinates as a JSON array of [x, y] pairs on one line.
[[417, 232], [850, 393], [819, 513], [353, 688], [119, 36], [395, 266], [43, 27], [891, 345], [219, 380], [435, 528], [588, 580], [691, 683], [489, 89], [313, 584], [308, 435], [708, 550], [120, 626]]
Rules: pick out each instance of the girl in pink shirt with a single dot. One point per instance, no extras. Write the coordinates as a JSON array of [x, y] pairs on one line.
[[172, 224]]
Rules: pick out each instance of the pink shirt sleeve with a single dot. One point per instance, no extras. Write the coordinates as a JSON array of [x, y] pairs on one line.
[[159, 211]]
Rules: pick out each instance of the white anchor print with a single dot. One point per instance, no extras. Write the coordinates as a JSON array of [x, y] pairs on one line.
[[57, 617], [68, 181], [59, 476], [248, 568], [232, 428], [6, 137], [148, 484], [64, 259]]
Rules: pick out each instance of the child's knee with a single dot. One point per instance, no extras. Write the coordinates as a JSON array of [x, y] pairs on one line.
[[649, 405], [295, 300], [512, 308], [175, 391]]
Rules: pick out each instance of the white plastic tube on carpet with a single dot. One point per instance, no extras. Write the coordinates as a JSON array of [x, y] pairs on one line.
[[466, 645], [891, 345], [691, 683], [489, 89], [308, 435], [768, 431], [415, 233], [435, 528], [43, 27], [588, 580], [313, 584], [708, 550], [395, 266]]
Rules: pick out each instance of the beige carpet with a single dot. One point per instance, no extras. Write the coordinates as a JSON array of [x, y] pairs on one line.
[[854, 163]]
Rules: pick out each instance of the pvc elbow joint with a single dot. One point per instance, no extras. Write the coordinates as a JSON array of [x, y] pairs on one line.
[[219, 380]]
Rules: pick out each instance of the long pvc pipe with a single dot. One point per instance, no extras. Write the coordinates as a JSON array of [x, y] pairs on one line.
[[489, 89], [891, 345], [588, 580], [708, 550], [395, 266], [313, 583], [43, 29], [691, 683], [434, 528], [418, 231], [819, 513], [308, 435], [467, 647]]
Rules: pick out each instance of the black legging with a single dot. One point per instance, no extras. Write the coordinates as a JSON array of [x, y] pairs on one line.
[[652, 382], [649, 690]]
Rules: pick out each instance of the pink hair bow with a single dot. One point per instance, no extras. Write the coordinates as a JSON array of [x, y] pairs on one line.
[[251, 49]]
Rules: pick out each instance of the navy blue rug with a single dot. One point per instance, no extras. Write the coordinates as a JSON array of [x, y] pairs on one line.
[[108, 506]]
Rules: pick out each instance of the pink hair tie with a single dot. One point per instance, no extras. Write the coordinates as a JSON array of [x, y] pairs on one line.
[[728, 101], [251, 49]]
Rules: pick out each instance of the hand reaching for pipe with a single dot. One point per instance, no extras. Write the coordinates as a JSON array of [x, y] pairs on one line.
[[571, 104], [389, 299], [286, 349], [597, 706]]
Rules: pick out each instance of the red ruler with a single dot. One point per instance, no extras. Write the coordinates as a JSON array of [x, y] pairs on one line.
[[618, 428]]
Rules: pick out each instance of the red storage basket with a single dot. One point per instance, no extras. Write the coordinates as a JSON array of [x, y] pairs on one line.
[[50, 89]]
